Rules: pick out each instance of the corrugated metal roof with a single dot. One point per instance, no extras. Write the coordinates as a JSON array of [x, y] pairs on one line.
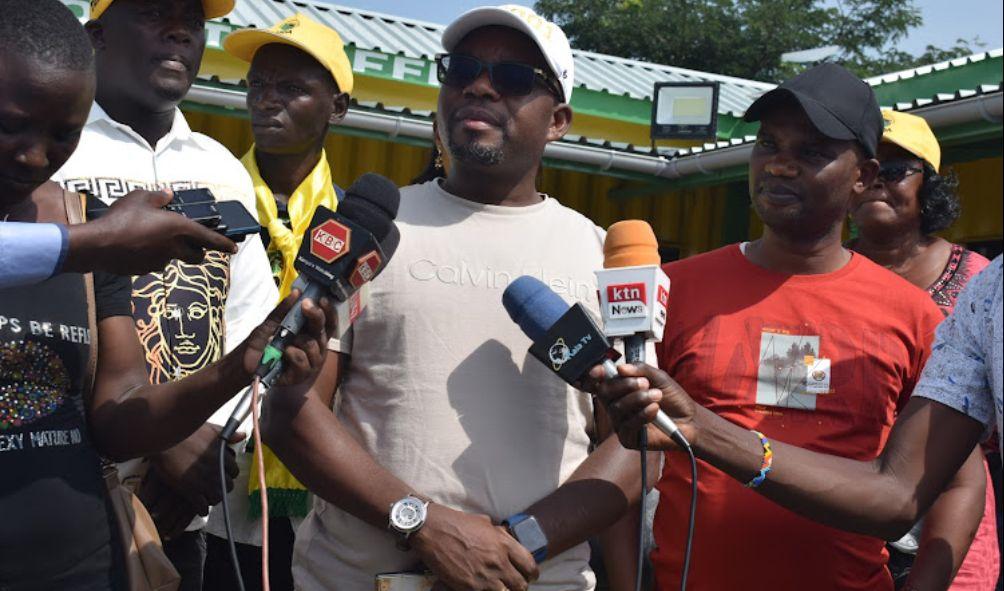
[[931, 68], [707, 147], [938, 99], [946, 97], [418, 39]]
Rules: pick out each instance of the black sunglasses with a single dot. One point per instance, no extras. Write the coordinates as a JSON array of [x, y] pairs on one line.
[[507, 78], [894, 172]]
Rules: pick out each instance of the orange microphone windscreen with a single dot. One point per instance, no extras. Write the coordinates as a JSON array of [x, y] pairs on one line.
[[630, 243]]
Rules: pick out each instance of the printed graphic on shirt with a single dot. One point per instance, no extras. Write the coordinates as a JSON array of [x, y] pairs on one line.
[[178, 312], [179, 316], [33, 383], [113, 188], [791, 374]]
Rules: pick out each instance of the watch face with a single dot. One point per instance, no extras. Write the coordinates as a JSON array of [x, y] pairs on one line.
[[529, 534], [408, 514]]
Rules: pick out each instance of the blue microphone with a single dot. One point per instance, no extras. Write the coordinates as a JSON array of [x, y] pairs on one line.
[[565, 338], [533, 306]]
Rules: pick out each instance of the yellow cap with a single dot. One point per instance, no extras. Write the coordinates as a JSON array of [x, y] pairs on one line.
[[321, 42], [212, 8], [913, 134]]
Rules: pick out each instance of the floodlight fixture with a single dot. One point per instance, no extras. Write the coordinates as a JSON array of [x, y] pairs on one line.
[[685, 110]]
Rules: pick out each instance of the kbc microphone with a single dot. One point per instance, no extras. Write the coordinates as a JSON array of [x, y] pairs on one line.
[[340, 253]]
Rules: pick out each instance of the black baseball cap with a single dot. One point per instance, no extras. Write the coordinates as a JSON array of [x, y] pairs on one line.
[[839, 104]]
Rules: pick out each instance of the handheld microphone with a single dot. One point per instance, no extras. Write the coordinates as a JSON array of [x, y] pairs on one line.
[[634, 296], [565, 338], [341, 252]]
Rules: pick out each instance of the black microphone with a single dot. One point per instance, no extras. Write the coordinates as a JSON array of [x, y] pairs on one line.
[[341, 251]]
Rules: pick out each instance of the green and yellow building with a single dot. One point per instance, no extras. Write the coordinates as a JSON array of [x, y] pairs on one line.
[[695, 196]]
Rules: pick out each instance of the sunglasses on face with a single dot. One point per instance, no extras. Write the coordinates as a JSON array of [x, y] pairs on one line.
[[507, 78], [894, 172]]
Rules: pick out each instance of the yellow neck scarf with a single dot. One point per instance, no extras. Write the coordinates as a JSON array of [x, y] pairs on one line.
[[316, 189], [287, 497]]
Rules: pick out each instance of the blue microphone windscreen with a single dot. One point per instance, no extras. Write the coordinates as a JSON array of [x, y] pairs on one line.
[[533, 306]]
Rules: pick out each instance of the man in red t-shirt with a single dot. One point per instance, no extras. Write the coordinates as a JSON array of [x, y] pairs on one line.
[[795, 336]]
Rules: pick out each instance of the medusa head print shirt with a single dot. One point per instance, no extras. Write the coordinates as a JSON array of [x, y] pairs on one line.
[[187, 316]]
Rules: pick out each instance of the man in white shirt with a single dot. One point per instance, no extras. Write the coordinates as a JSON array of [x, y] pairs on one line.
[[187, 316], [442, 413]]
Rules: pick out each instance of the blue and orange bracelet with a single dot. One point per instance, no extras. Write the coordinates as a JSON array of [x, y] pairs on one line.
[[765, 465]]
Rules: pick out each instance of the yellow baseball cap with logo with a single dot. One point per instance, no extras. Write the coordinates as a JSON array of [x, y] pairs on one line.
[[913, 134], [211, 8], [322, 43]]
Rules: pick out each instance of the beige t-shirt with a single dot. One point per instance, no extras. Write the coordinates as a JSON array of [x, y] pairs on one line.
[[441, 389]]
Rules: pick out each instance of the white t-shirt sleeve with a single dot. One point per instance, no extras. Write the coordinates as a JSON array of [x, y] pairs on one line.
[[253, 295]]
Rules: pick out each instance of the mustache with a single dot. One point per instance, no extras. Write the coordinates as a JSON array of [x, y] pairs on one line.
[[479, 112], [771, 185]]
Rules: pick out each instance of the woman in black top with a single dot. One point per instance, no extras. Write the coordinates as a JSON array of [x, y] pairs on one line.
[[54, 425]]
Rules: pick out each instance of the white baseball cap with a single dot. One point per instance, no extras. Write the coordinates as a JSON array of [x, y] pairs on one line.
[[548, 36]]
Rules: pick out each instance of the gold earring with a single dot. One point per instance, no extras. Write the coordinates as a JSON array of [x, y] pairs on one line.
[[438, 163]]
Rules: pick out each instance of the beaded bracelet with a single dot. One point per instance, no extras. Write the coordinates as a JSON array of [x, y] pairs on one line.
[[768, 460]]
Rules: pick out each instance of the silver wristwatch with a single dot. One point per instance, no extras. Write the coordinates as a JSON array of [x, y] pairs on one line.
[[407, 516]]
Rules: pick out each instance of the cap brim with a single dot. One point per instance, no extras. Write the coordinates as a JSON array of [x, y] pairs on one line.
[[210, 8], [822, 119], [488, 16], [217, 8], [911, 149], [245, 43], [484, 17]]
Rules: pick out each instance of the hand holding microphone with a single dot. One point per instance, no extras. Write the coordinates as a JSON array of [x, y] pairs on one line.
[[641, 394], [303, 352], [340, 253]]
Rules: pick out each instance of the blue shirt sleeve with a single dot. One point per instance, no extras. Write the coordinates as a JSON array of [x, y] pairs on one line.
[[958, 372], [30, 253]]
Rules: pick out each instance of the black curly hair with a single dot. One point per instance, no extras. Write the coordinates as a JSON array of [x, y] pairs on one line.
[[939, 201]]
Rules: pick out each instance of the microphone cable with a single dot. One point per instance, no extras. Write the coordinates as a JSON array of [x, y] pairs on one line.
[[643, 448], [260, 461], [226, 518], [256, 430], [643, 511], [693, 516]]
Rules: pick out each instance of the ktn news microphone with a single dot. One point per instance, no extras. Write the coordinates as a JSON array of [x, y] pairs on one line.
[[565, 338], [340, 253], [634, 297]]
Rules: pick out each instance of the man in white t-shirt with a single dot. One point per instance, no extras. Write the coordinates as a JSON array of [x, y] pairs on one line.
[[187, 316], [444, 426]]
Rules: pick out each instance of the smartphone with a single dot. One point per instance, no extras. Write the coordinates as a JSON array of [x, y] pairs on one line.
[[236, 223], [188, 196], [206, 214]]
